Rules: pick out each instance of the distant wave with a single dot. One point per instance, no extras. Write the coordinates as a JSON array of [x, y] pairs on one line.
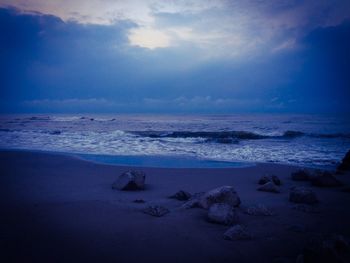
[[225, 137], [233, 136]]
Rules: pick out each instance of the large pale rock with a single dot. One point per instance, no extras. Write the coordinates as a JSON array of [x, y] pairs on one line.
[[269, 187], [222, 213], [302, 195], [130, 180], [223, 194], [237, 232]]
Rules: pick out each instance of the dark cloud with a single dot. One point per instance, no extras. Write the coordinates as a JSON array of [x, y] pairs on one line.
[[51, 65]]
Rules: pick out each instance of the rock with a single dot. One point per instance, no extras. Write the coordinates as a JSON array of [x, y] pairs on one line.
[[223, 194], [222, 213], [139, 201], [301, 175], [302, 195], [130, 180], [194, 201], [181, 195], [156, 210], [311, 209], [276, 180], [258, 210], [345, 163], [269, 187], [266, 178], [327, 249], [325, 179], [237, 232]]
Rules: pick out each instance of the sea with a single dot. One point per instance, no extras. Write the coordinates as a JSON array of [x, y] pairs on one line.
[[183, 140]]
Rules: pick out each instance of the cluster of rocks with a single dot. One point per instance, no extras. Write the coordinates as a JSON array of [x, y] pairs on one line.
[[222, 205], [220, 202], [269, 183]]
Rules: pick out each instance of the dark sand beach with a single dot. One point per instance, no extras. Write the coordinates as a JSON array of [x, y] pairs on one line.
[[57, 208]]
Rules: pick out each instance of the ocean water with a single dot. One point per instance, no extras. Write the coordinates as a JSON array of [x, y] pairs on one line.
[[307, 140]]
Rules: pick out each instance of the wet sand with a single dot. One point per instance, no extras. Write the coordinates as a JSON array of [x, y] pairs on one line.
[[57, 208]]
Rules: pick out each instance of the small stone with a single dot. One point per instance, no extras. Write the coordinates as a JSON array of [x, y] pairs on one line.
[[302, 195], [130, 180], [221, 213], [237, 232], [269, 187], [265, 179], [181, 196], [223, 194], [276, 180], [156, 210]]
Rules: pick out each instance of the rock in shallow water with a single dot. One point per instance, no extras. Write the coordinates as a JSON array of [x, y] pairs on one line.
[[223, 194], [269, 187], [237, 232], [156, 210], [130, 180], [302, 195], [221, 213]]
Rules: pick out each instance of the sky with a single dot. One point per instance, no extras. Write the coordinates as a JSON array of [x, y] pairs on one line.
[[176, 56]]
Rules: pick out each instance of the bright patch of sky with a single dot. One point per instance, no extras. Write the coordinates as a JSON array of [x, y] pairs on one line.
[[217, 27]]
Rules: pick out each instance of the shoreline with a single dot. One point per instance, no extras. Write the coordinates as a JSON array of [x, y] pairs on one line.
[[58, 208], [172, 161]]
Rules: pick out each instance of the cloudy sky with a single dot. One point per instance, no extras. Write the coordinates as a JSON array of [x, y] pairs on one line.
[[201, 56]]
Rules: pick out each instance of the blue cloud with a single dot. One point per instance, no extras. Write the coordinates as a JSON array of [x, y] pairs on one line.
[[48, 64]]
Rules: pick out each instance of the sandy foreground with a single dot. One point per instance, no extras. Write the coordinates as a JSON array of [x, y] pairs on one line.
[[57, 208]]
